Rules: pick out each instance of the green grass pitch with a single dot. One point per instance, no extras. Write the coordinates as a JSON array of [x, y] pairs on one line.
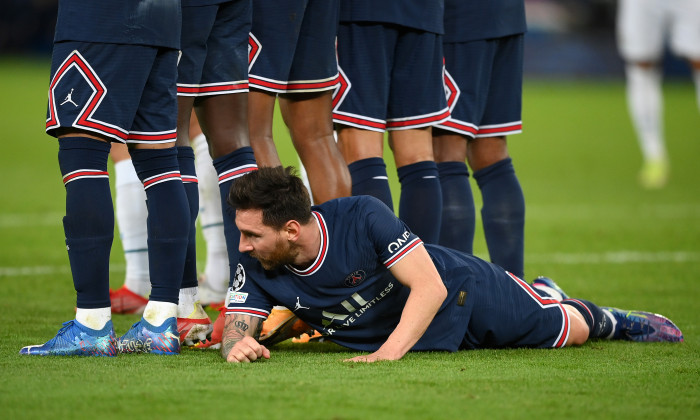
[[588, 225]]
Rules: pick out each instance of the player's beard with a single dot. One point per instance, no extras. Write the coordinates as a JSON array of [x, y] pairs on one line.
[[284, 253]]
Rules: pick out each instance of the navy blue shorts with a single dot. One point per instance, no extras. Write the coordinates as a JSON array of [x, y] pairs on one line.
[[292, 46], [391, 78], [214, 43], [508, 313], [124, 92], [483, 83]]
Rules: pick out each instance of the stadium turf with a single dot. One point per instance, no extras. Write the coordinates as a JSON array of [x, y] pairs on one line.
[[589, 226]]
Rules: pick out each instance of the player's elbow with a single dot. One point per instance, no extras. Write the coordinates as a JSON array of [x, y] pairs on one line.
[[439, 292]]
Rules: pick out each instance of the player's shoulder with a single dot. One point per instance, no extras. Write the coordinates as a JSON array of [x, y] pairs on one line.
[[350, 206]]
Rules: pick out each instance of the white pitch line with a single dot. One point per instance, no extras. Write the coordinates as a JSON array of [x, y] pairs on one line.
[[616, 257], [611, 257], [46, 270]]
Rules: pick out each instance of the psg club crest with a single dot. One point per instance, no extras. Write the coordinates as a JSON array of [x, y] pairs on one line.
[[355, 278], [239, 279]]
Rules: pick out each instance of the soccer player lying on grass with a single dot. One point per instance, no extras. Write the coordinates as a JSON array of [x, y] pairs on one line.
[[354, 272]]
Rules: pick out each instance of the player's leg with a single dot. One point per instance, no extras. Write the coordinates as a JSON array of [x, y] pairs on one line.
[[193, 323], [641, 29], [261, 109], [420, 205], [214, 279], [156, 162], [312, 135], [83, 152], [363, 150], [458, 214], [495, 112], [612, 323], [503, 210], [360, 106], [412, 110], [131, 213], [223, 119], [645, 103]]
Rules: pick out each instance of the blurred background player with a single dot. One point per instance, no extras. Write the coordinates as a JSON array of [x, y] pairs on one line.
[[483, 80], [390, 58], [643, 28], [115, 80], [293, 60]]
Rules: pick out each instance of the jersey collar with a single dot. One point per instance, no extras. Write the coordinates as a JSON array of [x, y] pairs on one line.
[[322, 252]]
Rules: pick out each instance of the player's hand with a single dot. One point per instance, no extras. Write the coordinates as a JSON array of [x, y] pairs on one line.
[[247, 350], [371, 358]]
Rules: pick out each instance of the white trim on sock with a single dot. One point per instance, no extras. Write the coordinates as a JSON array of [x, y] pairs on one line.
[[612, 319], [157, 312], [95, 318]]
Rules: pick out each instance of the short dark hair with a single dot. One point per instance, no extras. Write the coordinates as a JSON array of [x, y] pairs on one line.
[[277, 191]]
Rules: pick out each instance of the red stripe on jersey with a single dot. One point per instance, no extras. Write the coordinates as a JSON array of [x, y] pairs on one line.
[[84, 118], [254, 49], [565, 329], [547, 303], [543, 301], [86, 173], [323, 251], [341, 90], [406, 249], [582, 305], [253, 312], [292, 86], [359, 121], [460, 127], [190, 179], [229, 87], [236, 172], [160, 178], [504, 129], [171, 136], [433, 119]]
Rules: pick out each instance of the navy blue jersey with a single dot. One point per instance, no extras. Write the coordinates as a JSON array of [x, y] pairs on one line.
[[138, 22], [193, 3], [348, 294], [470, 20], [426, 15]]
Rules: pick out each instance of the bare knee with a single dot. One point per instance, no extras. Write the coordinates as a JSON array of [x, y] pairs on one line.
[[578, 329], [485, 151]]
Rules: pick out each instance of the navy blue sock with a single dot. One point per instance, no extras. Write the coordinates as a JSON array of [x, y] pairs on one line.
[[168, 219], [89, 220], [229, 167], [369, 177], [598, 324], [420, 206], [458, 214], [185, 158], [503, 215]]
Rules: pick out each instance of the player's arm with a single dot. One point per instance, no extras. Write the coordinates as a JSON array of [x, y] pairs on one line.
[[239, 341], [427, 292]]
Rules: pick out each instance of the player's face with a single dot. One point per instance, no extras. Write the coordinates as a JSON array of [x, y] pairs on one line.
[[264, 243]]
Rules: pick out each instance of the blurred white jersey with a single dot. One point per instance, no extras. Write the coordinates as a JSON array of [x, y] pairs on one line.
[[645, 27]]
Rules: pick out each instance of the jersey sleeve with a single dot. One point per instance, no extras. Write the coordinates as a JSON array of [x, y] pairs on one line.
[[391, 238], [245, 296]]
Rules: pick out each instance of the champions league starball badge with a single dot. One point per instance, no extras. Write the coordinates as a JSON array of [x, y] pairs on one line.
[[239, 279]]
